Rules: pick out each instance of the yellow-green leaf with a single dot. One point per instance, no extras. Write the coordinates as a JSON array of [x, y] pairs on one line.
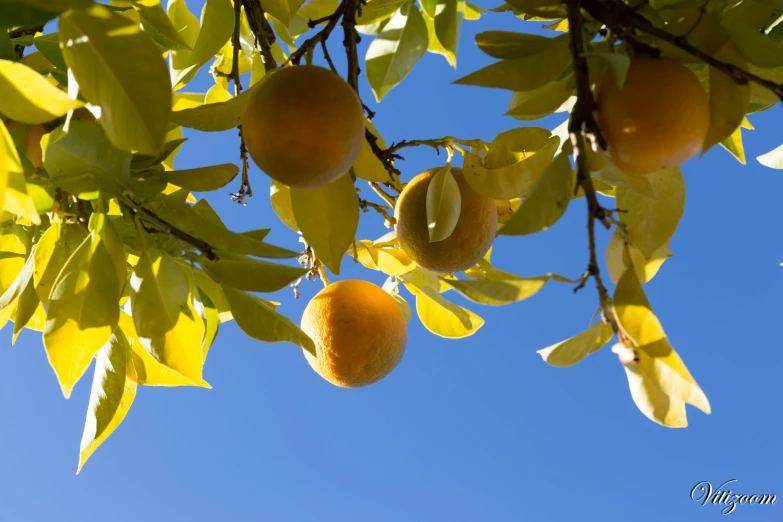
[[756, 47], [571, 351], [442, 317], [524, 74], [394, 52], [443, 205], [392, 288], [28, 97], [84, 303], [729, 101], [391, 261], [328, 217], [620, 257], [114, 386], [187, 26], [158, 25], [658, 360], [52, 251], [772, 159], [448, 21], [540, 102], [279, 9], [546, 202], [217, 26], [374, 11], [261, 322], [162, 307], [733, 144], [252, 275], [496, 291], [21, 281], [650, 222], [215, 117], [367, 166], [512, 165], [652, 402], [202, 179], [508, 45], [280, 197], [120, 70], [14, 198]]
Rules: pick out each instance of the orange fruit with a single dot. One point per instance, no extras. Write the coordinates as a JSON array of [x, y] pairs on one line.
[[657, 120], [33, 151], [304, 126], [359, 333], [472, 236]]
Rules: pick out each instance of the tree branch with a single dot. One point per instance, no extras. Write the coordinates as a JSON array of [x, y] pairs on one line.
[[321, 36], [244, 190], [582, 124], [351, 39], [618, 16], [262, 31]]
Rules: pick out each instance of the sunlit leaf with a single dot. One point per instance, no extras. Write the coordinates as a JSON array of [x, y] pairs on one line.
[[52, 251], [187, 26], [443, 205], [114, 386], [650, 222], [328, 217], [571, 351], [540, 102], [394, 52], [214, 117], [83, 304], [733, 144], [28, 97], [620, 256], [448, 20], [391, 261], [772, 159], [201, 179], [263, 323], [367, 166], [442, 317], [756, 47], [14, 198], [217, 26], [658, 360], [499, 291], [158, 25], [280, 197], [509, 45], [120, 70], [652, 402], [374, 11], [729, 100], [252, 275], [161, 303], [546, 202]]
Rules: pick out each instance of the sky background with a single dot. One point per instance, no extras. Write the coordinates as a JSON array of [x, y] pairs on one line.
[[472, 429]]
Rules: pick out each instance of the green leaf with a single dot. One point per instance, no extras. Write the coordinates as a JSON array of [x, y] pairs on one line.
[[515, 159], [190, 220], [83, 304], [122, 71], [617, 65], [42, 193], [328, 217], [541, 102], [14, 198], [28, 97], [49, 45], [162, 307], [508, 45], [13, 292], [374, 11], [391, 261], [279, 9], [652, 402], [27, 13], [84, 160], [546, 202], [756, 47], [217, 26], [210, 316], [52, 251], [657, 359], [114, 386], [186, 25], [499, 291], [315, 9], [443, 205], [251, 275], [442, 317], [28, 312], [215, 117], [733, 144], [448, 20], [202, 179], [280, 197], [158, 25], [571, 351], [263, 323], [143, 161], [772, 159], [524, 74], [651, 221], [394, 52], [729, 101]]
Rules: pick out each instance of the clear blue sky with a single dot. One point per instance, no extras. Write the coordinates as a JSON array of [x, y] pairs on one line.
[[467, 430]]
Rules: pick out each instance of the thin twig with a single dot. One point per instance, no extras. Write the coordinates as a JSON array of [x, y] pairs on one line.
[[384, 196], [321, 36], [244, 190], [582, 124], [617, 16], [351, 39]]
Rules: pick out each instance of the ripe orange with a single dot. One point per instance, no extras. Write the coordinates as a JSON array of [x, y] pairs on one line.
[[34, 135], [659, 118], [471, 239], [359, 333], [304, 126]]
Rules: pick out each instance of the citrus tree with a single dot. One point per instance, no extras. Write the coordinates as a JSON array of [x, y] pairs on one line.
[[107, 252]]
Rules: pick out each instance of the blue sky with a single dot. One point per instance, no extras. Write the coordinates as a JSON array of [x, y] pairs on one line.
[[473, 429]]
